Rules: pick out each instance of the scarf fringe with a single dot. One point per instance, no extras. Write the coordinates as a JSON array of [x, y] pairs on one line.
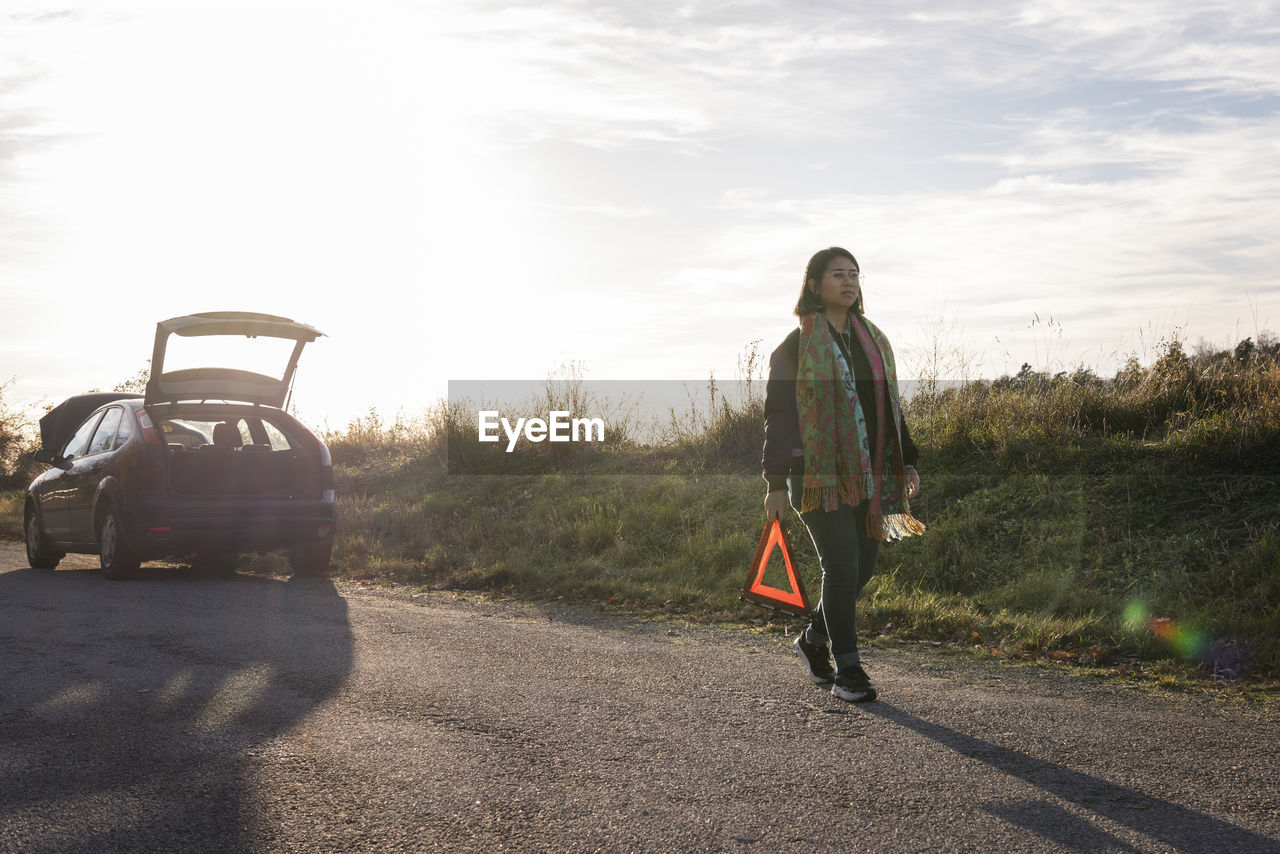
[[894, 526], [850, 490]]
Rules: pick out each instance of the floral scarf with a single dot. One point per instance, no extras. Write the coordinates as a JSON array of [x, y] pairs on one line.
[[839, 464]]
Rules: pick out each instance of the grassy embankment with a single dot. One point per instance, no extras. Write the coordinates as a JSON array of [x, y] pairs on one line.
[[1070, 517]]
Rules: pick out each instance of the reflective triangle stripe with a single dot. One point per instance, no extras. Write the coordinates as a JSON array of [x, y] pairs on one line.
[[793, 601]]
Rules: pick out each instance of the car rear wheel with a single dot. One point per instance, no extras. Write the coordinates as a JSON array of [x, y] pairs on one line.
[[311, 559], [39, 554], [118, 561]]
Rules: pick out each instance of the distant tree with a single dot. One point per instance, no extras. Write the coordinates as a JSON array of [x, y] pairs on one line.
[[1131, 374], [1027, 377], [1084, 376], [1203, 348], [136, 383], [15, 440], [1173, 362]]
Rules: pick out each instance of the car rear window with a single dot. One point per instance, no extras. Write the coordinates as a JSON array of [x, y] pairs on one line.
[[247, 434]]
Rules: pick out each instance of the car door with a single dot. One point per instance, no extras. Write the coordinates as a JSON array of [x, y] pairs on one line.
[[56, 493], [86, 473]]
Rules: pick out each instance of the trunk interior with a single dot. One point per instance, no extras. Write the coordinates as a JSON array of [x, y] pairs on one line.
[[247, 471]]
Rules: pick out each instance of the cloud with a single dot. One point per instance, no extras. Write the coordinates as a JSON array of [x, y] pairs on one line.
[[611, 211], [705, 79], [1066, 158], [26, 128], [610, 78], [1191, 233]]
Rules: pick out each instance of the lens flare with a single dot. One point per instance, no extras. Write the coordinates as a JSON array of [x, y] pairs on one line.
[[1136, 615], [1188, 642]]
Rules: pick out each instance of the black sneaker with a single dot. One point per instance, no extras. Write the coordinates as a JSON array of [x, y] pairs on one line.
[[816, 660], [853, 686]]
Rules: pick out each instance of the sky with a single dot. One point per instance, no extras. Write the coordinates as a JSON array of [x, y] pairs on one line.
[[492, 191]]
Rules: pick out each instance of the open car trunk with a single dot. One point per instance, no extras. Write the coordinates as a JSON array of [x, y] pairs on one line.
[[243, 453], [242, 472]]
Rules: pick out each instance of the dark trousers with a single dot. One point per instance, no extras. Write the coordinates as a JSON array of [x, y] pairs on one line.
[[848, 559]]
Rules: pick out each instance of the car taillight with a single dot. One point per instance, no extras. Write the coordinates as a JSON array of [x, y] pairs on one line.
[[149, 434]]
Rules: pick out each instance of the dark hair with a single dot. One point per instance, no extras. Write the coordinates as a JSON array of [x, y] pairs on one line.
[[809, 301]]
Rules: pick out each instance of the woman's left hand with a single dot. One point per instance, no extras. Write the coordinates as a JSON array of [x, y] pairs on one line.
[[913, 482]]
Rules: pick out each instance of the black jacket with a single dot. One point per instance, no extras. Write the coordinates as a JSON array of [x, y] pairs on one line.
[[782, 419]]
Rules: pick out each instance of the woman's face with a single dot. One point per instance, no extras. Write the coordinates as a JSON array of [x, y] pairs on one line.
[[840, 286]]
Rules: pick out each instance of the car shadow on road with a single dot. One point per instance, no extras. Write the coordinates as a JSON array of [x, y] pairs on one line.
[[135, 716], [1180, 827]]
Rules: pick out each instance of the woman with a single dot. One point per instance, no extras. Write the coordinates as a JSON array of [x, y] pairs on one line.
[[836, 442]]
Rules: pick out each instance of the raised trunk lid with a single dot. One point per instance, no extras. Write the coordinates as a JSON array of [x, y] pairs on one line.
[[215, 383]]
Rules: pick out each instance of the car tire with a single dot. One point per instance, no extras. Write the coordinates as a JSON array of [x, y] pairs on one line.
[[312, 559], [40, 555], [118, 561]]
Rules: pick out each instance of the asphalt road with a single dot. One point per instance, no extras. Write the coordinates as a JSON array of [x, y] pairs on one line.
[[178, 713]]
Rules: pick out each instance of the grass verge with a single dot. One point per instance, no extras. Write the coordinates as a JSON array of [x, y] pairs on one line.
[[1123, 525]]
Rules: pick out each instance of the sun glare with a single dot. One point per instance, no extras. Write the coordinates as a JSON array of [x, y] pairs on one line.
[[324, 166], [475, 191]]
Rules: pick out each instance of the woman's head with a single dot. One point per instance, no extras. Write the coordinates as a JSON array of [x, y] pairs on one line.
[[829, 270]]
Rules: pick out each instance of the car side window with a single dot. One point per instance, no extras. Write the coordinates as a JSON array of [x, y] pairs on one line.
[[125, 432], [105, 435], [75, 448], [279, 442]]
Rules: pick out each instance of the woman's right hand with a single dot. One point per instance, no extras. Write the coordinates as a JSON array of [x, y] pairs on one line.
[[774, 503]]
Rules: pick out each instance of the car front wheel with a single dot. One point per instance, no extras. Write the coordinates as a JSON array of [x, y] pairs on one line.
[[39, 554], [118, 561]]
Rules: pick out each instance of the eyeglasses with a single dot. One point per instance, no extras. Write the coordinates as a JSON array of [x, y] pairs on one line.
[[846, 275]]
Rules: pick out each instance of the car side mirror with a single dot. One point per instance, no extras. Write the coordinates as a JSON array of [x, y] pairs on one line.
[[49, 458]]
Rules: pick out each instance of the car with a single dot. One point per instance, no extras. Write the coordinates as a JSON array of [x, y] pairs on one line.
[[207, 463]]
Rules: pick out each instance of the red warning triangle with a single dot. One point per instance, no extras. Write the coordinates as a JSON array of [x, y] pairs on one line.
[[793, 601]]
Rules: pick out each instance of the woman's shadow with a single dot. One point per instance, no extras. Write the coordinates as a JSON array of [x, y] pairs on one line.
[[1181, 828], [130, 712]]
